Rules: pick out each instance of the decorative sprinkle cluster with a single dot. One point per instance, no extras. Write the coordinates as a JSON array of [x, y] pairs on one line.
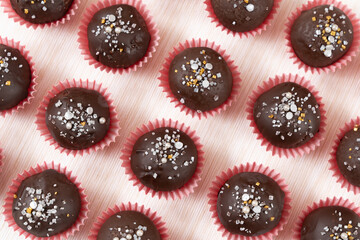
[[41, 4], [202, 77], [353, 151], [249, 204], [293, 108], [246, 4], [332, 35], [341, 231], [127, 233], [41, 209], [112, 26], [166, 150], [5, 58], [79, 119]]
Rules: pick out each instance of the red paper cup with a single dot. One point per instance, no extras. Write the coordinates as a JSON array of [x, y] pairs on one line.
[[287, 152], [323, 203], [341, 62], [333, 163], [160, 225], [12, 14], [189, 187], [83, 215], [33, 83], [1, 158], [83, 39], [224, 176], [164, 77], [253, 32], [114, 128]]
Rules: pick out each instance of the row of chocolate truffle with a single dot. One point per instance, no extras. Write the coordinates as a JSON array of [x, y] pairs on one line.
[[247, 201], [120, 35]]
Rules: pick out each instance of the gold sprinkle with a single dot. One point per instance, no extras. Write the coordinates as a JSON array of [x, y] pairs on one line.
[[103, 20], [29, 210], [26, 11], [112, 25], [214, 76], [302, 114], [55, 193], [349, 226], [15, 196], [350, 149], [175, 69], [271, 116], [7, 83], [257, 184], [328, 18], [333, 33], [1, 61], [68, 215], [356, 128], [32, 2], [272, 218], [246, 1], [204, 62], [266, 207], [170, 156], [299, 108], [331, 235], [338, 42], [121, 50], [349, 233], [349, 157], [343, 47], [314, 19], [83, 123]]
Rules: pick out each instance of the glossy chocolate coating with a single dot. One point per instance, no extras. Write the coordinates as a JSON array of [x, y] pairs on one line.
[[78, 118], [128, 223], [200, 78], [332, 222], [321, 36], [46, 204], [348, 155], [287, 115], [164, 159], [41, 11], [239, 16], [15, 77], [250, 204], [118, 36]]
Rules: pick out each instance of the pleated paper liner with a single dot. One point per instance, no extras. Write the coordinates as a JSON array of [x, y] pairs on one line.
[[83, 38], [341, 62], [189, 187], [164, 77], [258, 30], [160, 225], [333, 162], [323, 203], [1, 160], [287, 152], [13, 15], [33, 83], [83, 215], [114, 128], [249, 167]]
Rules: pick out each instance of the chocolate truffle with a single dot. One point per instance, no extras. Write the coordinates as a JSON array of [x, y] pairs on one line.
[[164, 159], [287, 115], [128, 225], [250, 204], [15, 77], [242, 15], [46, 204], [200, 79], [348, 156], [41, 11], [118, 36], [332, 222], [78, 118], [321, 36]]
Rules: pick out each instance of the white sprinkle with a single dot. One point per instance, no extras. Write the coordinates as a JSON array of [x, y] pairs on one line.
[[257, 209], [328, 53], [68, 126], [286, 108], [102, 120], [68, 115], [179, 145], [140, 233], [194, 66], [38, 214], [112, 18], [246, 210], [250, 7], [293, 108], [288, 95], [33, 205], [255, 203], [289, 115], [209, 66], [328, 29], [335, 27], [205, 84], [199, 78], [245, 197], [90, 110], [128, 236], [108, 29], [163, 160], [118, 30]]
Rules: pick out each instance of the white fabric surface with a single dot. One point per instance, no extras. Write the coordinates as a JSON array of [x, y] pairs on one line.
[[228, 140]]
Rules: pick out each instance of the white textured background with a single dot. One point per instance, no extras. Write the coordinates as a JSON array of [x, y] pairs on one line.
[[227, 138]]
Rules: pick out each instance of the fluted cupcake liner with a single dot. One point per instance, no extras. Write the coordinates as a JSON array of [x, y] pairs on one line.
[[287, 152], [83, 215], [13, 15], [258, 30], [333, 162], [185, 190], [33, 83], [351, 53], [84, 43], [164, 77], [114, 127], [323, 203], [1, 158], [160, 225], [249, 167]]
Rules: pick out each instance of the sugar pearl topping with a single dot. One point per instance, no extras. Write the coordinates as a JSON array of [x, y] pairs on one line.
[[78, 118], [248, 5], [294, 109], [331, 29], [249, 203], [202, 77], [113, 25], [6, 57], [167, 149], [135, 232], [41, 5]]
